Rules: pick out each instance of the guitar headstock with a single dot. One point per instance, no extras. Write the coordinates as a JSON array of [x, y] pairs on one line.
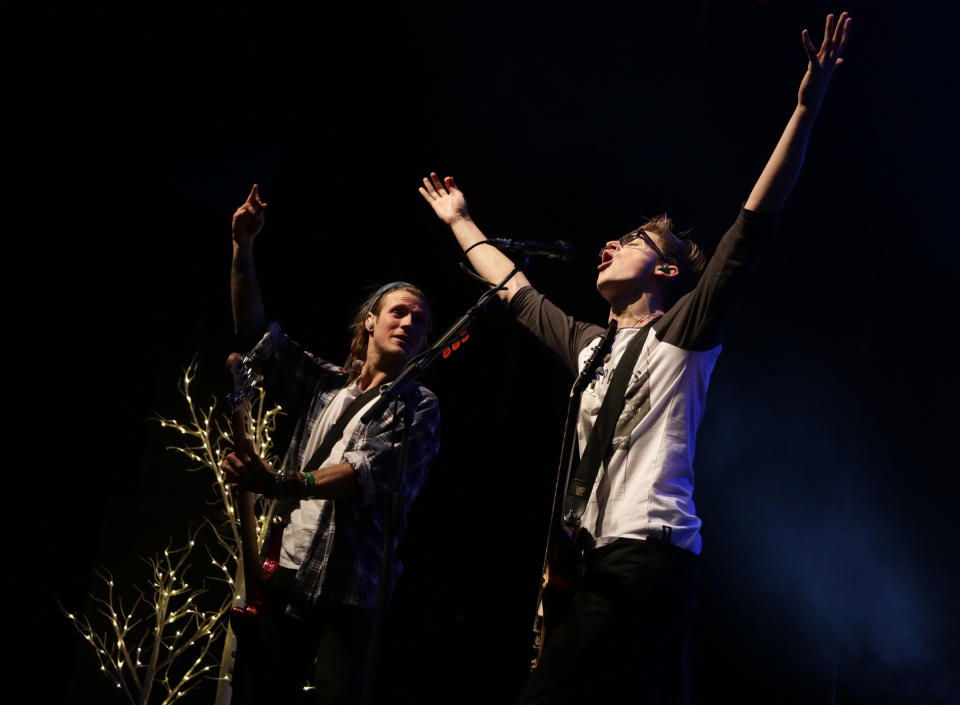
[[606, 344], [245, 380], [596, 358]]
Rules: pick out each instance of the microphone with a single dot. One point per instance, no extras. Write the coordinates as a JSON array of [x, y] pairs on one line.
[[560, 250]]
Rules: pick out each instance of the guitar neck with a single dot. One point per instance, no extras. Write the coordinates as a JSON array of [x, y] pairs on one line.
[[550, 576], [245, 501]]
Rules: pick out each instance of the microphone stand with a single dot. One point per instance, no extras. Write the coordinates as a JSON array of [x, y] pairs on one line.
[[454, 334], [402, 388]]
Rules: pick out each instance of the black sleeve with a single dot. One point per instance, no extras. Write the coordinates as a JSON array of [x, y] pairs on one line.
[[697, 321], [562, 335]]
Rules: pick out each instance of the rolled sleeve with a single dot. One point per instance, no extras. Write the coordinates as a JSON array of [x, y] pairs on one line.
[[374, 458]]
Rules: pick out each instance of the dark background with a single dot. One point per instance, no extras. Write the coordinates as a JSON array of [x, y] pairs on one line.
[[826, 470]]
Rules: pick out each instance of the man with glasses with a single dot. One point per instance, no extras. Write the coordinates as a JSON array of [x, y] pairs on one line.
[[635, 582]]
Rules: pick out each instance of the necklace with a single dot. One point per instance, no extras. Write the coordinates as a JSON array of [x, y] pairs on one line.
[[638, 322]]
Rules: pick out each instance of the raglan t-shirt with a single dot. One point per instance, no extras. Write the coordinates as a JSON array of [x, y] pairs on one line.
[[644, 487]]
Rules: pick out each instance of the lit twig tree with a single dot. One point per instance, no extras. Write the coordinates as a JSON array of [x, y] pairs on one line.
[[208, 447], [162, 644], [207, 442]]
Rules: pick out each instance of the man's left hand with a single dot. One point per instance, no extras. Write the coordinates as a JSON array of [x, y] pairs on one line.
[[824, 62]]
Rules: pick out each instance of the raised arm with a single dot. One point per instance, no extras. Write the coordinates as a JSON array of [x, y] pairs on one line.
[[248, 316], [450, 205], [779, 175]]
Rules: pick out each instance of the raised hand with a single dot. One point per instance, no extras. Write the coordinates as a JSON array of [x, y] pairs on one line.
[[447, 201], [824, 62], [248, 218]]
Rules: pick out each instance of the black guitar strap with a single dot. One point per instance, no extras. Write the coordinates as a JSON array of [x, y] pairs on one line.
[[581, 483], [336, 431]]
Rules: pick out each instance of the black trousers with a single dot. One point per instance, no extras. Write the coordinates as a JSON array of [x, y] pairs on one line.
[[627, 631], [326, 651]]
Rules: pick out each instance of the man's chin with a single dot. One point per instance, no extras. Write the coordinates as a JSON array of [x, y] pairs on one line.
[[615, 290], [399, 353], [605, 287]]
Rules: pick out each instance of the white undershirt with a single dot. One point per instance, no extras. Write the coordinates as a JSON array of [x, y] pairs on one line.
[[298, 534]]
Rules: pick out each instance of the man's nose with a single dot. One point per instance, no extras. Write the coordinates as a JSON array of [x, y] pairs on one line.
[[611, 245]]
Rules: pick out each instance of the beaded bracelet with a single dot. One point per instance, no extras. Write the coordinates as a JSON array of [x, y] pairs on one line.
[[291, 485]]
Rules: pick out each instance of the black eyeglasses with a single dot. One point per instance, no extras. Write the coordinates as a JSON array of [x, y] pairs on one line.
[[639, 234]]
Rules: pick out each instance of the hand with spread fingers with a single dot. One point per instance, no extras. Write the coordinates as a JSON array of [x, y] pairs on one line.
[[782, 169], [248, 218], [824, 62], [245, 470], [447, 201]]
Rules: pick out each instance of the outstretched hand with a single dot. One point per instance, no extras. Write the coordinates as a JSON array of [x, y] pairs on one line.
[[248, 219], [447, 201], [824, 62]]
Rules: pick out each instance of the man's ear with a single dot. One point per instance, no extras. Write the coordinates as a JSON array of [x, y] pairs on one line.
[[667, 270]]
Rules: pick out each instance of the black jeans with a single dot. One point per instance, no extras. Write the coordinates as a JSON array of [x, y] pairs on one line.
[[627, 631], [281, 654]]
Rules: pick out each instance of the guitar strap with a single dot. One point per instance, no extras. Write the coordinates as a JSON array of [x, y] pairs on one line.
[[336, 431], [581, 483]]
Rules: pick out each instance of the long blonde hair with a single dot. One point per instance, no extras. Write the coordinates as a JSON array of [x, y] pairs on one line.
[[372, 304]]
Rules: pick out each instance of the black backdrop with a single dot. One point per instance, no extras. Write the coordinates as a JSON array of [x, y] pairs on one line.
[[825, 463]]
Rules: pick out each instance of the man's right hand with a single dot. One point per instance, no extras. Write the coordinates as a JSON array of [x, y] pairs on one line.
[[450, 205], [248, 219], [447, 201]]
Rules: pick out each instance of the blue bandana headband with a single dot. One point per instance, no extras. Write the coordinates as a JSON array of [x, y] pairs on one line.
[[381, 291]]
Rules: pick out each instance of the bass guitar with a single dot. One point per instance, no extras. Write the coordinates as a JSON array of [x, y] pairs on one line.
[[255, 573]]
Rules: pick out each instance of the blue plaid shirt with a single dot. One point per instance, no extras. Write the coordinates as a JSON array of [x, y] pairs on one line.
[[342, 564]]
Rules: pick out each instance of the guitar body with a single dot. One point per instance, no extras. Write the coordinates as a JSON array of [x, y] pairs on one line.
[[565, 545], [556, 593]]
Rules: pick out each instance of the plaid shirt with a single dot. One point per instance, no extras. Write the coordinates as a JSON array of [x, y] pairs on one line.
[[342, 564]]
